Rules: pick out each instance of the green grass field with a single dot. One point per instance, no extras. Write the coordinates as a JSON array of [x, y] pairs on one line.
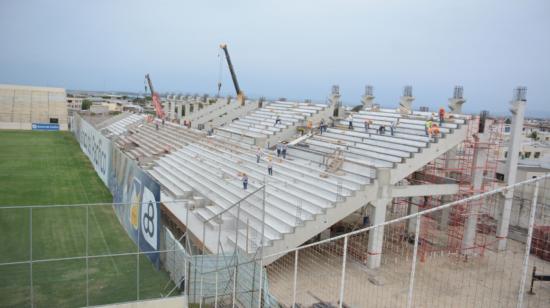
[[42, 168]]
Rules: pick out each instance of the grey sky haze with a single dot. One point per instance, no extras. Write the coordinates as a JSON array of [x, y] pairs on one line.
[[294, 49]]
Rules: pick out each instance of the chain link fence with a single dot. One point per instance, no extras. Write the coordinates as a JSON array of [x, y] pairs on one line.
[[425, 260], [443, 256], [80, 255]]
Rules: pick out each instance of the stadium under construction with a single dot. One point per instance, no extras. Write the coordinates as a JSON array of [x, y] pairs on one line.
[[257, 203]]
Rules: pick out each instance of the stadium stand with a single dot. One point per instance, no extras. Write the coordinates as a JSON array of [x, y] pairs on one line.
[[259, 127], [325, 177]]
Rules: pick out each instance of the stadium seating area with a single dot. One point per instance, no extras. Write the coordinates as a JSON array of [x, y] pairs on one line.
[[119, 127], [260, 124], [320, 172]]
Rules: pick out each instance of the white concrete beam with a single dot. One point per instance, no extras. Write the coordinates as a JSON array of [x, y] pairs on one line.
[[424, 190]]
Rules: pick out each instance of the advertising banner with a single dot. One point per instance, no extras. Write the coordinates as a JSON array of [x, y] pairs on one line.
[[137, 198], [45, 126], [96, 146]]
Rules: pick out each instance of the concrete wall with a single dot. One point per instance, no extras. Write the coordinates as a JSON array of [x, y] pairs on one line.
[[20, 106]]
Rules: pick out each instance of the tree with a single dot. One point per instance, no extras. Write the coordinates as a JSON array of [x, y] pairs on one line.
[[86, 104], [534, 135]]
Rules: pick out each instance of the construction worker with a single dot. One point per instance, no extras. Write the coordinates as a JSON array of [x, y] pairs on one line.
[[277, 120], [258, 155], [350, 122], [428, 127], [393, 126], [441, 115], [309, 125], [245, 181], [285, 147], [434, 130], [322, 126], [270, 166], [382, 130], [366, 126], [279, 149]]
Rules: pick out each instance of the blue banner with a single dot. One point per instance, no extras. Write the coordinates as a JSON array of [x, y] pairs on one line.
[[137, 203], [45, 126]]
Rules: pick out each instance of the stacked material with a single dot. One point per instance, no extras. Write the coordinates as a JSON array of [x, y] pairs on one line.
[[540, 244]]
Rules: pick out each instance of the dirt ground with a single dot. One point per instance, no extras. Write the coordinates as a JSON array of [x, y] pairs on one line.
[[441, 280]]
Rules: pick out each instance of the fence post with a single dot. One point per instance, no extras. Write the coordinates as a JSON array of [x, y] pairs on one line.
[[413, 269], [528, 245], [261, 283], [236, 254], [295, 279], [202, 262], [87, 253], [343, 279], [217, 260], [30, 255], [138, 249], [261, 246]]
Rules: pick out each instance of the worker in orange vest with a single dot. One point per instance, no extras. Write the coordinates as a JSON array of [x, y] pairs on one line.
[[434, 130], [441, 115]]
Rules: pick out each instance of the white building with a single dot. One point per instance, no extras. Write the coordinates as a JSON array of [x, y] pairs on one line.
[[74, 103], [29, 107]]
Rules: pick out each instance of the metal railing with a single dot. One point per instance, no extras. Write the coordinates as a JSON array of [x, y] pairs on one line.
[[422, 263]]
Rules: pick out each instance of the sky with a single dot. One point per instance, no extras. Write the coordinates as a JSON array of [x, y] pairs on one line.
[[293, 49]]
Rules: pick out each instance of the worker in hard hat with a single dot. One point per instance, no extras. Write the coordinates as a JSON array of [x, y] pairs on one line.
[[441, 115]]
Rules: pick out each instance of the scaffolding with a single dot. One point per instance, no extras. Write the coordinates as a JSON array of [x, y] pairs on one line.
[[443, 231]]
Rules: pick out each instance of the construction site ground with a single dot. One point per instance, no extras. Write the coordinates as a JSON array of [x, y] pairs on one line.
[[441, 279]]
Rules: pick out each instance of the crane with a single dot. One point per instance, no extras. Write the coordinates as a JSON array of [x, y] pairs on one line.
[[156, 99], [240, 94]]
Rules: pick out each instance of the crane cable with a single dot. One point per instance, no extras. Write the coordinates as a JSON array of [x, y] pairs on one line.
[[219, 72]]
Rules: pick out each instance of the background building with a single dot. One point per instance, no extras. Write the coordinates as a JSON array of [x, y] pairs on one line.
[[27, 107]]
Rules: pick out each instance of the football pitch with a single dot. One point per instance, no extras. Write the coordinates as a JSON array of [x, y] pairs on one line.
[[45, 168]]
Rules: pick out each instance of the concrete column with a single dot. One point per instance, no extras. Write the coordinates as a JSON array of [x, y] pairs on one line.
[[186, 106], [376, 236], [455, 105], [368, 98], [172, 109], [480, 157], [405, 104], [335, 101], [518, 110], [456, 102], [412, 208]]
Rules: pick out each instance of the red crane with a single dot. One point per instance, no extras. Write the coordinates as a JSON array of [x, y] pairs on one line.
[[156, 99]]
